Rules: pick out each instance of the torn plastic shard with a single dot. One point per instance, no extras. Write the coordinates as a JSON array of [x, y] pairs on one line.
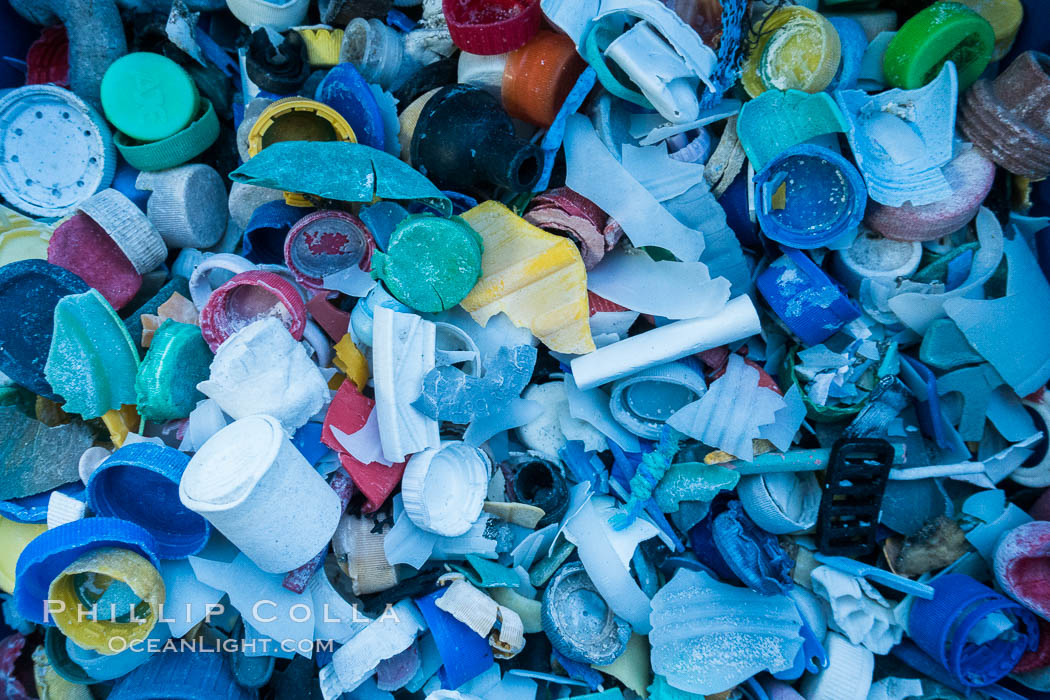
[[402, 354], [34, 457], [708, 636], [450, 394]]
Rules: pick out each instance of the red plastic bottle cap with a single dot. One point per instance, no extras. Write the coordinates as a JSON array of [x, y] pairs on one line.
[[324, 243], [84, 248], [248, 297], [490, 27], [47, 60]]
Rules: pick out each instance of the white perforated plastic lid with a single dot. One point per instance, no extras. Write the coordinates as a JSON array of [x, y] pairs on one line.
[[55, 150]]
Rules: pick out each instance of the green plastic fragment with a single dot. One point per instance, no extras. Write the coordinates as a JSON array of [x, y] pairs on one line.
[[937, 269], [944, 347], [345, 172], [430, 263], [542, 570], [93, 362], [662, 690], [166, 385], [777, 120], [693, 481], [34, 457], [484, 573]]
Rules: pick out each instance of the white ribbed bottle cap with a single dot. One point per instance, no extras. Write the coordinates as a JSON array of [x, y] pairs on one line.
[[781, 502], [444, 488], [128, 227], [848, 675], [279, 15], [188, 205]]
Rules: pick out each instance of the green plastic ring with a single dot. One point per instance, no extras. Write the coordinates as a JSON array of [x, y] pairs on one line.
[[944, 31], [174, 150]]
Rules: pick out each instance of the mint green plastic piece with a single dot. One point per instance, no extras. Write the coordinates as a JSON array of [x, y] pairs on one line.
[[944, 347], [147, 96], [166, 385], [430, 263], [693, 481], [777, 120], [484, 573], [662, 690], [93, 362]]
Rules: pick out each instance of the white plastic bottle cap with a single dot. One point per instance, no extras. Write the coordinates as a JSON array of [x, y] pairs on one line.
[[276, 14], [444, 488], [128, 227], [257, 489], [188, 205]]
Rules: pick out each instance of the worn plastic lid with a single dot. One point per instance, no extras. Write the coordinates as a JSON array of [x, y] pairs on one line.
[[248, 297], [489, 27], [147, 96], [431, 263], [178, 148], [298, 119], [325, 243], [140, 483], [944, 31], [539, 76], [55, 150], [797, 48]]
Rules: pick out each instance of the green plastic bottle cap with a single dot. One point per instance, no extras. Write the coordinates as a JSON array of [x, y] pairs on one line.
[[431, 263], [147, 96], [944, 31]]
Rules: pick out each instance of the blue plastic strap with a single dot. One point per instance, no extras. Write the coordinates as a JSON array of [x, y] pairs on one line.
[[552, 140], [140, 483], [48, 554]]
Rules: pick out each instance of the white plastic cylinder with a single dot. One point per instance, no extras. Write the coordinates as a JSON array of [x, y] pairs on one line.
[[736, 321], [257, 489]]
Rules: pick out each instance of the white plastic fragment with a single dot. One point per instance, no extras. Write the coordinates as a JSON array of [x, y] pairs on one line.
[[90, 460], [548, 432], [443, 489], [858, 610], [730, 414], [894, 688], [736, 321], [390, 634], [62, 509], [847, 676], [365, 445], [262, 369], [403, 348], [670, 289], [187, 599], [204, 421], [592, 406]]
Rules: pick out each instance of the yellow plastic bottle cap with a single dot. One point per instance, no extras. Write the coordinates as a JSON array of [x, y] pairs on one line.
[[798, 50]]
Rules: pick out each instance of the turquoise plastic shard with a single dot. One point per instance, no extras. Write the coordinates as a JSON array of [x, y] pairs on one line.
[[708, 636], [777, 120], [944, 347], [1012, 333], [693, 481], [34, 457], [974, 385], [166, 385], [660, 689], [345, 172], [93, 362]]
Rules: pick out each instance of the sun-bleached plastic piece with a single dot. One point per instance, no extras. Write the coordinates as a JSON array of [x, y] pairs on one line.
[[387, 636], [537, 278], [847, 676], [782, 502], [450, 394], [129, 228], [501, 625], [708, 636], [902, 138], [187, 206], [443, 489], [262, 369], [1038, 472], [729, 415], [596, 174], [548, 432], [661, 75], [361, 556], [893, 688], [667, 288], [602, 550], [674, 341], [858, 610], [257, 489], [403, 347], [62, 509], [1024, 362]]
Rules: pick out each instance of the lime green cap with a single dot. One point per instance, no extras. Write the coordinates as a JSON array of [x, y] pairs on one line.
[[944, 31], [147, 96], [431, 263]]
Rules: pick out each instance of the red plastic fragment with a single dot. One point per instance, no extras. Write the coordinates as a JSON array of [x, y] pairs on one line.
[[47, 60], [84, 248], [333, 321]]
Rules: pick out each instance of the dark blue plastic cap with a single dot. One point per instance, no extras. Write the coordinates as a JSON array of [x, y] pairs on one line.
[[140, 483]]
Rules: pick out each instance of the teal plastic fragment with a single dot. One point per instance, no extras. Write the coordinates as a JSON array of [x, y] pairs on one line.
[[662, 690], [610, 694], [345, 172], [777, 120], [944, 347], [975, 385], [166, 385], [485, 573], [93, 361], [693, 481]]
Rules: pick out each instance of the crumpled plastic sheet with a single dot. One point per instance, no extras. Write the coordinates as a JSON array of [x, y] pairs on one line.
[[730, 415], [858, 610], [449, 394]]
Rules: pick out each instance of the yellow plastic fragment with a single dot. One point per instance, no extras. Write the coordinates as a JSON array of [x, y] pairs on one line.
[[349, 360], [107, 637], [14, 537], [120, 423], [22, 238], [50, 685], [1005, 17], [536, 278], [322, 45], [632, 666]]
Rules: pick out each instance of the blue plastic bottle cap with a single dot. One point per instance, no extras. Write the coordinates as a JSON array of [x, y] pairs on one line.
[[45, 557], [809, 196], [140, 483], [811, 304], [29, 292], [55, 150]]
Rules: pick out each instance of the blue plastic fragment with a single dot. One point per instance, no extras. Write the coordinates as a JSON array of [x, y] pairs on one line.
[[266, 230], [809, 302], [853, 42], [344, 90], [754, 555], [578, 671], [464, 653], [552, 140], [307, 440], [33, 509], [874, 573], [449, 394]]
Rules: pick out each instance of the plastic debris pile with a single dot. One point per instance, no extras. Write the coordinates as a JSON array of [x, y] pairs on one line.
[[524, 349]]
